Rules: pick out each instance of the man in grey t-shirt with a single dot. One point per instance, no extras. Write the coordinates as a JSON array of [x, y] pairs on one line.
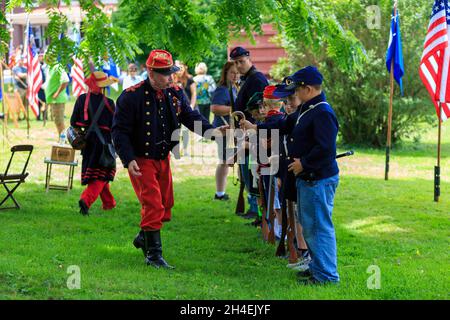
[[20, 79]]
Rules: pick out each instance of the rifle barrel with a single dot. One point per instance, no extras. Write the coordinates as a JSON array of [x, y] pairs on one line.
[[345, 154]]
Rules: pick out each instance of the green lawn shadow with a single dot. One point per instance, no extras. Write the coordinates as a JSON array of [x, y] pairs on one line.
[[394, 225]]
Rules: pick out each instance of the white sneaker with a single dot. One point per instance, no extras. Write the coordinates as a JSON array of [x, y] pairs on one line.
[[302, 265], [294, 265]]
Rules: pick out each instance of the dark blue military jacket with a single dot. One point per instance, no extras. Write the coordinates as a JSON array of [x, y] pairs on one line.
[[254, 81], [271, 121], [313, 133], [145, 121]]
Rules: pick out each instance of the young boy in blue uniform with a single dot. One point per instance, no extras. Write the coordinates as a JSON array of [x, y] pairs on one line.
[[312, 145]]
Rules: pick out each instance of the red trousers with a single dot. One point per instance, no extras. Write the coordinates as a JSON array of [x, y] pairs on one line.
[[154, 190], [97, 188]]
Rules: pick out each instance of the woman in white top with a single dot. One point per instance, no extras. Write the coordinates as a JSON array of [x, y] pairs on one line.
[[132, 78]]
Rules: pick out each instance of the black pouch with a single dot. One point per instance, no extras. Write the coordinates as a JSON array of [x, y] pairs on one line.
[[108, 156]]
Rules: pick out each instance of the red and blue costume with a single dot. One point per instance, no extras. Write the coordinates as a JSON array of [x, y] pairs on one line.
[[144, 130], [96, 177]]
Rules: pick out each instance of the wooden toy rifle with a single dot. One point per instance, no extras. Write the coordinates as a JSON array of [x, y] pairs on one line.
[[293, 256], [270, 214], [231, 143], [263, 206], [281, 249]]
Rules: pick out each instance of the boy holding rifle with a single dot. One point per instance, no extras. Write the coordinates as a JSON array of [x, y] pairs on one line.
[[298, 255], [256, 109], [312, 147], [272, 106]]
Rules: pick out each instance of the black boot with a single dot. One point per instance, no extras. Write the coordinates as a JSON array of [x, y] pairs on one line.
[[153, 249], [84, 209], [139, 241]]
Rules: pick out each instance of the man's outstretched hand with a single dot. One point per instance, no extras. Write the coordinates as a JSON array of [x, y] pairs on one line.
[[247, 125], [222, 130]]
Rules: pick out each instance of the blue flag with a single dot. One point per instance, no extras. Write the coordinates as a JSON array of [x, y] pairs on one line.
[[111, 69], [394, 51]]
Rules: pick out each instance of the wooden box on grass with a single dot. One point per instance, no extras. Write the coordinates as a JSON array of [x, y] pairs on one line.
[[63, 153]]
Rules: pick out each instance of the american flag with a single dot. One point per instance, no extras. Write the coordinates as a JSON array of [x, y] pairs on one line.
[[77, 74], [435, 62], [34, 75]]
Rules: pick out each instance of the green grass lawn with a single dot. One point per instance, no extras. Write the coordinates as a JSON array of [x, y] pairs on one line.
[[394, 225]]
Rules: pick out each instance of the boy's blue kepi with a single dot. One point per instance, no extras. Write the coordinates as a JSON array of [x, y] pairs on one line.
[[281, 91], [303, 77]]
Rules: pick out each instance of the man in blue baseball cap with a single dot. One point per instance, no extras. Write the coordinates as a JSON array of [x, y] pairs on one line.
[[252, 81], [313, 131]]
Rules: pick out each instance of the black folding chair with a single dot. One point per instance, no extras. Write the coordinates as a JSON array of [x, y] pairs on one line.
[[15, 179]]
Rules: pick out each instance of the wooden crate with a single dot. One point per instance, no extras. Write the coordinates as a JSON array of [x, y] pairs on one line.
[[63, 153]]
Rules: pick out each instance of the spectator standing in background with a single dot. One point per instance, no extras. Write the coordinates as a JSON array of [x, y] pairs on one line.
[[205, 88], [185, 81], [221, 107], [20, 79], [132, 78], [56, 95]]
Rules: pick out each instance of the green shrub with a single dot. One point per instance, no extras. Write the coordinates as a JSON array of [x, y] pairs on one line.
[[361, 97]]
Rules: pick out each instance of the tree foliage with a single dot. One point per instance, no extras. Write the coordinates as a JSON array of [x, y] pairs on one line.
[[192, 29], [314, 25], [100, 41], [361, 96], [4, 35]]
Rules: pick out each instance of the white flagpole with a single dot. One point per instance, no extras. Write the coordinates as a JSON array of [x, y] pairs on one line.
[[25, 48], [25, 40]]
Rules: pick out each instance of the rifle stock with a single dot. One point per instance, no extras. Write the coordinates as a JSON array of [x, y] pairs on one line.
[[240, 205], [264, 227], [293, 257], [270, 211], [281, 249]]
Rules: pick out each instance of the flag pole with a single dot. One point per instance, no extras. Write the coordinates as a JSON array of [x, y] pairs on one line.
[[391, 101], [28, 80], [389, 130], [2, 88], [437, 168]]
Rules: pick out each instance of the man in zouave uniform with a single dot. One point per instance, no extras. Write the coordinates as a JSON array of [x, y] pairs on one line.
[[146, 117]]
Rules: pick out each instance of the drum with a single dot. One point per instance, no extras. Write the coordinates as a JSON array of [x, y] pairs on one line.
[[76, 138]]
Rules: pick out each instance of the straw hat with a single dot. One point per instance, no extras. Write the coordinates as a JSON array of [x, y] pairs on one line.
[[103, 80]]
